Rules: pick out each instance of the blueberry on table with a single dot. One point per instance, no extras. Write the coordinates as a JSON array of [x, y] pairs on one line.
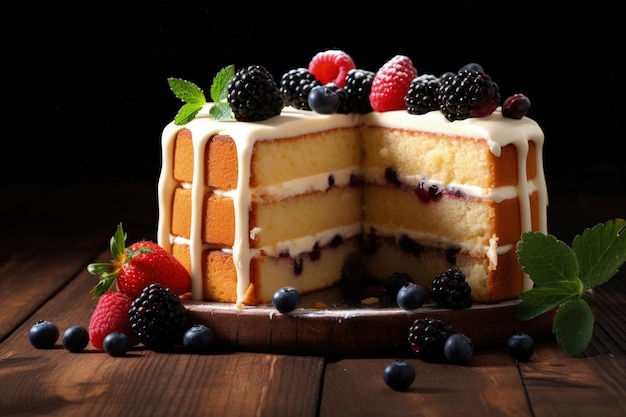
[[411, 296], [116, 344], [521, 346], [458, 349], [43, 334], [75, 338], [399, 375], [198, 339]]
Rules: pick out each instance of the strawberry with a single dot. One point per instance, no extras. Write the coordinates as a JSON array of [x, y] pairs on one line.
[[136, 267], [391, 84], [331, 66], [111, 315]]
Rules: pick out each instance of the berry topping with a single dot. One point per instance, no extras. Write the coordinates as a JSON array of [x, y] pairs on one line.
[[116, 344], [520, 346], [324, 99], [427, 338], [110, 315], [158, 318], [422, 95], [411, 296], [295, 86], [399, 375], [450, 290], [469, 93], [516, 106], [253, 95], [139, 265], [286, 299], [75, 338], [472, 66], [198, 339], [391, 84], [458, 349], [43, 334], [358, 86], [331, 66]]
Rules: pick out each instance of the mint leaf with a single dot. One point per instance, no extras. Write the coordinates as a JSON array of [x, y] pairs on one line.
[[186, 113], [187, 91], [220, 111], [545, 259], [573, 326], [601, 251], [219, 87]]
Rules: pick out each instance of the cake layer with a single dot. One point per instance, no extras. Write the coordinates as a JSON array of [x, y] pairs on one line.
[[307, 273], [270, 223], [384, 256]]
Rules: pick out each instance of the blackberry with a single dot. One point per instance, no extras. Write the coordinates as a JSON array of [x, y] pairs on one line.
[[450, 290], [469, 93], [295, 86], [422, 95], [427, 338], [358, 86], [158, 318], [253, 95]]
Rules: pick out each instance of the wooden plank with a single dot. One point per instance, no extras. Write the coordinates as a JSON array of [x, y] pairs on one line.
[[559, 385], [52, 233], [489, 385], [56, 382]]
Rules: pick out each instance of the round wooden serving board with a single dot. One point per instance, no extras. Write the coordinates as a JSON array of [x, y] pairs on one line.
[[353, 321]]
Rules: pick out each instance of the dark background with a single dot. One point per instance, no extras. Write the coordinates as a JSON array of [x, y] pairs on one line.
[[93, 75]]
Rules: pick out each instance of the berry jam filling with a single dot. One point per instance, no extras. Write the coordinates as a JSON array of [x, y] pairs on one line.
[[424, 191], [371, 244]]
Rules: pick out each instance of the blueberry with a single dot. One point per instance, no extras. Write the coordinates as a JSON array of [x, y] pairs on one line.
[[394, 282], [75, 338], [399, 375], [323, 100], [472, 66], [520, 346], [516, 106], [411, 296], [116, 344], [198, 339], [286, 299], [458, 349], [43, 334]]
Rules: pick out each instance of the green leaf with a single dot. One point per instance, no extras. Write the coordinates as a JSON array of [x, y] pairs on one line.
[[98, 268], [187, 91], [104, 284], [219, 87], [545, 259], [573, 326], [601, 251], [118, 242], [187, 113], [539, 300], [220, 111]]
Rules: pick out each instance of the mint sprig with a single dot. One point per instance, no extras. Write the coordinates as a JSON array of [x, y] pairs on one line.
[[194, 97], [563, 275]]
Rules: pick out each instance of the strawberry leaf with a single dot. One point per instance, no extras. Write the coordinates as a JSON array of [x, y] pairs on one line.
[[540, 300], [573, 326], [601, 251]]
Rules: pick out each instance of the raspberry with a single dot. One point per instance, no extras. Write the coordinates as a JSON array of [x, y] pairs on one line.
[[470, 93], [295, 86], [253, 95], [358, 86], [158, 318], [110, 315], [450, 290], [422, 95], [427, 338], [331, 66], [391, 84]]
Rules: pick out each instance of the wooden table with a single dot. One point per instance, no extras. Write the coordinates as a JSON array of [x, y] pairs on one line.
[[49, 235]]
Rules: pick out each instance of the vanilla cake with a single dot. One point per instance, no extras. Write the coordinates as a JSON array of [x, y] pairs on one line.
[[305, 200]]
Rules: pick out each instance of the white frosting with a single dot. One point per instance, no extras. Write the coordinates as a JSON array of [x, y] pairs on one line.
[[495, 129]]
